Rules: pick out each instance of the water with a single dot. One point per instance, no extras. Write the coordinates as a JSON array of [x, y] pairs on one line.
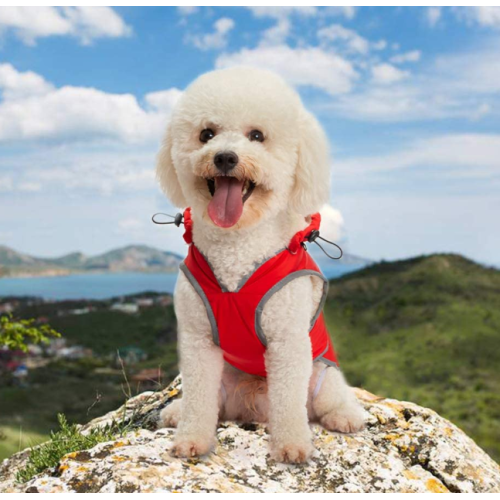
[[88, 286], [104, 286]]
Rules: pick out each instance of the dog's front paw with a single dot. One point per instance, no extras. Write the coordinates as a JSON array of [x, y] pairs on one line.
[[191, 446], [347, 419], [292, 453], [170, 415]]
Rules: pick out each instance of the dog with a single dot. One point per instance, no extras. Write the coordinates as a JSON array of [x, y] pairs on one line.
[[253, 165]]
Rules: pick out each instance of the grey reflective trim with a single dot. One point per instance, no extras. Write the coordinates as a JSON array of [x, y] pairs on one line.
[[324, 360], [203, 297], [256, 266], [322, 354], [277, 287], [328, 362], [322, 301]]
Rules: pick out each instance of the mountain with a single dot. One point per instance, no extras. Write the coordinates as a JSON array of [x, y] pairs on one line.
[[137, 258], [426, 330]]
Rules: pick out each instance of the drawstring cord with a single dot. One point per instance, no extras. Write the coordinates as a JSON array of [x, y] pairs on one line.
[[177, 219], [315, 235]]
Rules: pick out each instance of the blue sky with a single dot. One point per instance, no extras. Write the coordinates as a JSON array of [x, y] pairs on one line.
[[409, 98]]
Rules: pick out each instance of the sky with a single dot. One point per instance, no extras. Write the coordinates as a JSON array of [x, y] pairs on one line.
[[409, 98]]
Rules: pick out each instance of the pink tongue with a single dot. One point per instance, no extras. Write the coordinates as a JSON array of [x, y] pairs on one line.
[[226, 206]]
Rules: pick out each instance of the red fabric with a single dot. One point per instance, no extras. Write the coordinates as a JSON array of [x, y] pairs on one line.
[[235, 312], [295, 242], [188, 226]]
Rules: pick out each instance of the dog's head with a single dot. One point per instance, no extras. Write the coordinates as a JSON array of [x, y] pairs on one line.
[[240, 147]]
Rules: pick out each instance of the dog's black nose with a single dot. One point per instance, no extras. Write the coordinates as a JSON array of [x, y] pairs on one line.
[[225, 161]]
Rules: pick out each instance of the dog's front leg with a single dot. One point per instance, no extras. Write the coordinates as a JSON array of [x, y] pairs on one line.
[[285, 323], [201, 368]]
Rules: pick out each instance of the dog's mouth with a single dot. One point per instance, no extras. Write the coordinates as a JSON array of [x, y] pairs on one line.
[[228, 196]]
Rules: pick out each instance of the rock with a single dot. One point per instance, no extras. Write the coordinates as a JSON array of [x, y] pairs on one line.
[[405, 448]]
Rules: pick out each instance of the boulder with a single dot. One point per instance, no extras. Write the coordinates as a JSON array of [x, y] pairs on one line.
[[404, 448]]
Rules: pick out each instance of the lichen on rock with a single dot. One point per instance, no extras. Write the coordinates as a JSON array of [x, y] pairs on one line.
[[405, 448]]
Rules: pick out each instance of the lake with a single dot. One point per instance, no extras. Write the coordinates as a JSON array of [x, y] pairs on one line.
[[104, 286]]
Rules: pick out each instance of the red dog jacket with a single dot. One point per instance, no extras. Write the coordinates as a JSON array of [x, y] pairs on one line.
[[235, 317]]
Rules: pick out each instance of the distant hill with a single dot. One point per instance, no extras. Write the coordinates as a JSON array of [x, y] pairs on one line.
[[425, 330], [138, 258]]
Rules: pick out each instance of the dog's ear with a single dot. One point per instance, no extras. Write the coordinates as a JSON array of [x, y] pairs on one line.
[[311, 188], [166, 173]]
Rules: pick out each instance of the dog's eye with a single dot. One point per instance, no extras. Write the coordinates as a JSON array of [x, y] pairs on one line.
[[206, 134], [256, 135]]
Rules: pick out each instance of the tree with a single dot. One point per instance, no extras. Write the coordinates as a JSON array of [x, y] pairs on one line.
[[17, 334]]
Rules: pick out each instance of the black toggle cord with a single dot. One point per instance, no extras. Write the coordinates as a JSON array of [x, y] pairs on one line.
[[315, 235], [177, 219]]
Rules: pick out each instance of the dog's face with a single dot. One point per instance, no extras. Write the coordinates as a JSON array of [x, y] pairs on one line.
[[240, 148]]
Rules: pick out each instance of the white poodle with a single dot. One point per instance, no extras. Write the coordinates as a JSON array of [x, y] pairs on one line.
[[252, 164]]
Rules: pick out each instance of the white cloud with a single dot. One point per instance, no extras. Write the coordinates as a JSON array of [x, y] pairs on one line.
[[386, 74], [6, 183], [332, 223], [16, 85], [280, 12], [84, 23], [29, 187], [64, 170], [187, 10], [163, 100], [311, 66], [412, 56], [309, 11], [349, 11], [380, 45], [215, 40], [278, 33], [433, 15], [33, 109], [353, 41], [398, 103], [463, 85], [484, 16], [465, 155]]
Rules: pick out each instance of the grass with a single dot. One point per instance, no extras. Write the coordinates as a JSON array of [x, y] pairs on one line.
[[14, 439], [66, 440], [87, 388], [425, 330]]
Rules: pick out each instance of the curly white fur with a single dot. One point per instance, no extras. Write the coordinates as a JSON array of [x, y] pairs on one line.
[[291, 171]]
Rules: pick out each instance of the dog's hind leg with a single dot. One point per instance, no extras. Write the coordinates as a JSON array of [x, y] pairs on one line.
[[332, 401], [171, 414]]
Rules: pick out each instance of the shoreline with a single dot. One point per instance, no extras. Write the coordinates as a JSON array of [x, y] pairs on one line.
[[62, 273]]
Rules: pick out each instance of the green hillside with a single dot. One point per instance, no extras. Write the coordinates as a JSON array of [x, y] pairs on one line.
[[426, 330]]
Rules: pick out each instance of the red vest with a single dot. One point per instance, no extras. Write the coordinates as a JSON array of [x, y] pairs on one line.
[[235, 317]]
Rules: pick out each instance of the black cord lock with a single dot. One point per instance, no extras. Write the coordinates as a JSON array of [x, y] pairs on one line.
[[177, 219]]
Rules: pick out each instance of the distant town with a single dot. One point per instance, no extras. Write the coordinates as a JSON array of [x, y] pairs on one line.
[[15, 366]]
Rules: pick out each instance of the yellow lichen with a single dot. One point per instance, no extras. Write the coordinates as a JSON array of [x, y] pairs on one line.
[[119, 444], [409, 474], [436, 486], [392, 437]]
